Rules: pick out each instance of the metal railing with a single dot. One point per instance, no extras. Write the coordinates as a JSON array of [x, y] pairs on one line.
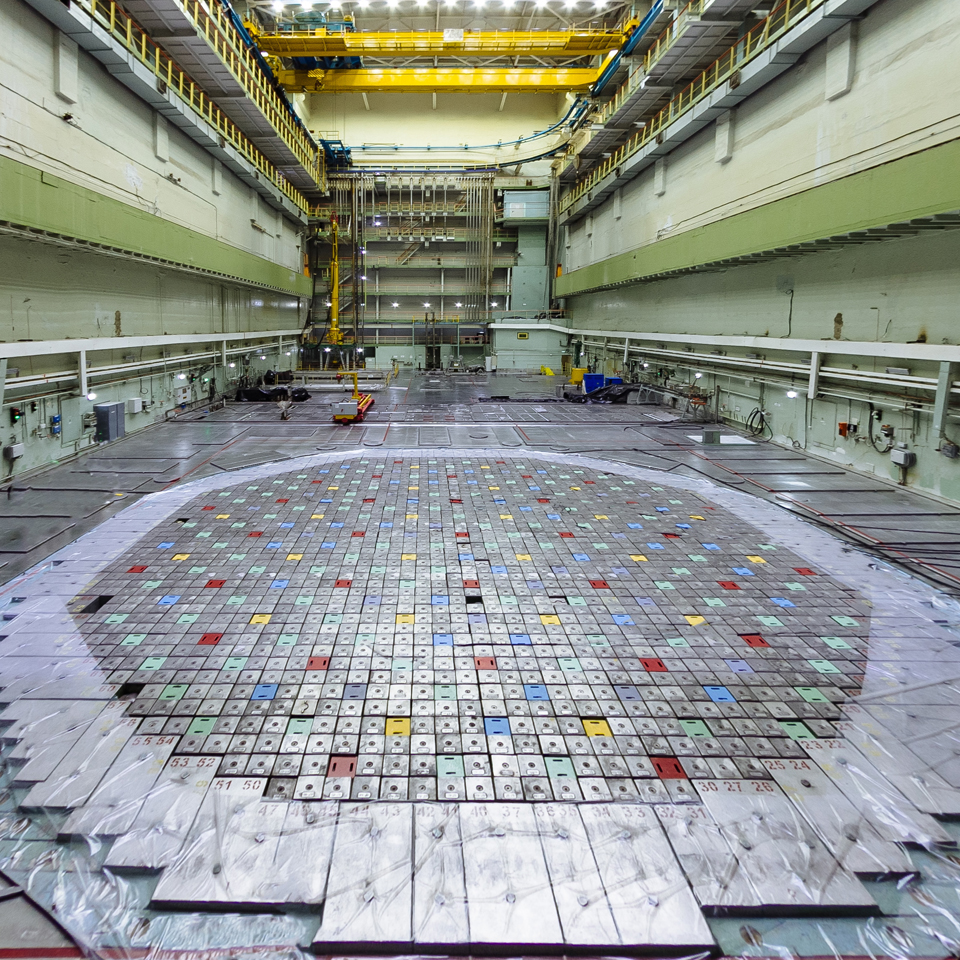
[[222, 36], [426, 262], [662, 44], [112, 18], [762, 36]]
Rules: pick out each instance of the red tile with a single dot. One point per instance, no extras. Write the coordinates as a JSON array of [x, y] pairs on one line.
[[282, 501], [357, 533], [209, 640], [729, 585], [318, 663], [805, 571], [256, 533], [139, 569], [599, 584], [485, 663], [668, 768], [653, 665], [471, 584], [343, 583], [754, 640], [342, 767], [566, 535], [208, 508], [215, 584]]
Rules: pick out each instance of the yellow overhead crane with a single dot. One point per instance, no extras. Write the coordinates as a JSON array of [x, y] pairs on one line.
[[440, 79], [453, 43]]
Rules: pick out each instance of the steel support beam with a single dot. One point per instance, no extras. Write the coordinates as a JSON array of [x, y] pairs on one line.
[[440, 79], [513, 43], [813, 385], [941, 402], [45, 348]]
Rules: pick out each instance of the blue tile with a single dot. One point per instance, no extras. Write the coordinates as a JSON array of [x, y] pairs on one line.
[[536, 691], [521, 640], [264, 691], [496, 726], [354, 691], [443, 639], [720, 695]]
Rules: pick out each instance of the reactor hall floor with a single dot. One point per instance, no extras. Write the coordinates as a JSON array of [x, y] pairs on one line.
[[481, 698]]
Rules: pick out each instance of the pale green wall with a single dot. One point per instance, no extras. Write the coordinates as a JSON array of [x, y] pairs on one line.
[[895, 292]]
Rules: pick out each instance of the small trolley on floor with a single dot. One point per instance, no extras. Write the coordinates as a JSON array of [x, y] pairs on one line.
[[354, 409]]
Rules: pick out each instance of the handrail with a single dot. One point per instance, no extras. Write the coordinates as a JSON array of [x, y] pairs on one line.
[[750, 45], [660, 46], [221, 35], [123, 29]]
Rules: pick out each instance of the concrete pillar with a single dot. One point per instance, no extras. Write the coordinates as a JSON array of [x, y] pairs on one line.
[[841, 61], [723, 147], [66, 69]]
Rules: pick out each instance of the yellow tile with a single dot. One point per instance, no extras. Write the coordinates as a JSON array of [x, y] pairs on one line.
[[693, 516], [260, 618], [549, 619], [398, 726], [493, 488], [316, 516], [523, 556], [414, 488], [180, 556], [637, 556], [506, 516], [406, 618], [695, 621], [597, 728], [600, 516], [575, 488], [223, 516], [412, 516], [408, 556], [294, 556], [756, 559], [333, 488]]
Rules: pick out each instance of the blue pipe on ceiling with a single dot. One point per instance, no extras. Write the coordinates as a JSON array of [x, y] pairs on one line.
[[639, 32]]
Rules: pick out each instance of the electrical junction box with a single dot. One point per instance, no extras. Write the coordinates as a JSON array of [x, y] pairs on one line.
[[135, 405], [110, 421], [903, 457], [13, 452], [344, 408], [847, 429], [950, 450]]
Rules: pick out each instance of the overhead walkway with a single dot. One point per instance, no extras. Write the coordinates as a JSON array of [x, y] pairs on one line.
[[204, 41], [757, 58], [699, 34]]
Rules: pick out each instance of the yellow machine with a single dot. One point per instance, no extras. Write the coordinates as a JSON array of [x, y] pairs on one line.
[[354, 409]]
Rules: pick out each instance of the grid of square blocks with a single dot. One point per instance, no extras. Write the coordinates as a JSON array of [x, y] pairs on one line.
[[472, 629]]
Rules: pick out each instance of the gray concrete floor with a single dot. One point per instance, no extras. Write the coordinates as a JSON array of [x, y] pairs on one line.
[[47, 510]]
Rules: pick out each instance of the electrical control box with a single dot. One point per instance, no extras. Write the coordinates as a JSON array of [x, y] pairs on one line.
[[344, 408], [56, 425], [847, 428], [903, 457], [110, 421], [135, 405], [950, 450], [13, 451]]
